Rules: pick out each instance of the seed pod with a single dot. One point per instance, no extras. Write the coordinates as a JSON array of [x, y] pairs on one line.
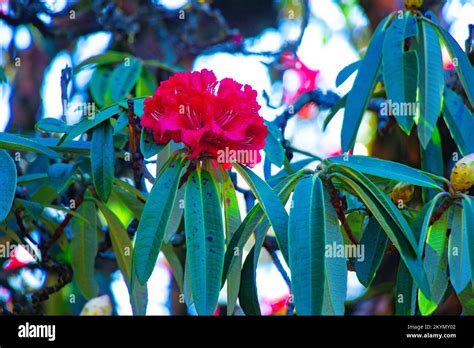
[[402, 193], [462, 175]]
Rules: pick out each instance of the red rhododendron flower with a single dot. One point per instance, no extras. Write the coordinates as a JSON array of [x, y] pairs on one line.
[[215, 118]]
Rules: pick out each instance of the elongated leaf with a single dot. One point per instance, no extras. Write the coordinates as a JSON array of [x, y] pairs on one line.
[[393, 62], [84, 249], [468, 220], [345, 73], [384, 169], [335, 285], [148, 147], [248, 292], [273, 147], [124, 77], [393, 223], [431, 82], [435, 264], [52, 125], [15, 142], [460, 121], [460, 61], [374, 241], [340, 104], [432, 161], [458, 251], [364, 84], [99, 85], [271, 205], [31, 178], [154, 221], [121, 243], [89, 123], [8, 179], [253, 219], [232, 222], [422, 229], [406, 119], [405, 297], [129, 200], [108, 57], [204, 240], [102, 159], [306, 244]]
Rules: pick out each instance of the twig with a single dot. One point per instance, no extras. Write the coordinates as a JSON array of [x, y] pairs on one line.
[[438, 213], [59, 231], [132, 129], [336, 201]]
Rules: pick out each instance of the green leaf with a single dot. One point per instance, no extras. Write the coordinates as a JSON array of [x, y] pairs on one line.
[[102, 159], [364, 84], [374, 241], [8, 179], [346, 72], [106, 58], [122, 122], [460, 121], [253, 218], [458, 251], [335, 285], [431, 82], [52, 125], [204, 240], [124, 77], [88, 123], [384, 169], [248, 295], [393, 62], [460, 61], [273, 147], [232, 222], [435, 264], [129, 200], [405, 297], [399, 69], [154, 221], [391, 220], [121, 243], [148, 147], [99, 84], [468, 207], [432, 161], [15, 142], [306, 244], [60, 175], [31, 178], [340, 104], [271, 205], [84, 249], [410, 74]]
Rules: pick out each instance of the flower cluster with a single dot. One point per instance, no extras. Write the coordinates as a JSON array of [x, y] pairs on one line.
[[208, 116]]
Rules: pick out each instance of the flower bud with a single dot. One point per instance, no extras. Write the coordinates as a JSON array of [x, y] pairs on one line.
[[413, 4], [462, 175], [98, 306], [402, 192]]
